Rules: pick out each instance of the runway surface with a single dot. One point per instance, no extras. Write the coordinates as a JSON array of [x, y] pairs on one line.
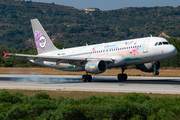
[[162, 85]]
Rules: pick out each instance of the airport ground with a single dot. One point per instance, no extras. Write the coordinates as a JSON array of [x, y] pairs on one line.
[[169, 72], [164, 72]]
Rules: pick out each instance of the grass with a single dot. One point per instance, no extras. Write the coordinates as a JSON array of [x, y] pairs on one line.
[[170, 72]]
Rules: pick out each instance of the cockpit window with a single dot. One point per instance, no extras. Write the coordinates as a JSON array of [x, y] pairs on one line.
[[160, 43], [168, 42], [165, 43], [156, 43]]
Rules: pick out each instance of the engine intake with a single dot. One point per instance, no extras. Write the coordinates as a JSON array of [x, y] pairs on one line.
[[96, 66], [149, 67]]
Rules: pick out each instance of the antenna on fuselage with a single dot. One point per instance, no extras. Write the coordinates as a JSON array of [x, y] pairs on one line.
[[86, 44], [151, 35]]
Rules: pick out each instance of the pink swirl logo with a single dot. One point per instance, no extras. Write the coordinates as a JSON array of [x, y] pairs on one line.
[[41, 41]]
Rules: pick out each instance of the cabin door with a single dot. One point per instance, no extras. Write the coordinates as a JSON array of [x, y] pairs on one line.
[[145, 46]]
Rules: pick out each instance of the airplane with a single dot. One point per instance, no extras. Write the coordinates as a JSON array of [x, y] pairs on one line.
[[145, 53]]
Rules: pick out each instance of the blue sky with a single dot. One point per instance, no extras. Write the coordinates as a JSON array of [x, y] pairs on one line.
[[112, 4]]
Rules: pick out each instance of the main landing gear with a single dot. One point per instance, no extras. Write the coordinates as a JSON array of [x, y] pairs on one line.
[[122, 77], [86, 78]]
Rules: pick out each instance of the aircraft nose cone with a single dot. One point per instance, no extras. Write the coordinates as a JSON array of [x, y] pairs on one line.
[[173, 51]]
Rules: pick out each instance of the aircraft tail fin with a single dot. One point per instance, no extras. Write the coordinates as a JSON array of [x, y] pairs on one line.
[[42, 40]]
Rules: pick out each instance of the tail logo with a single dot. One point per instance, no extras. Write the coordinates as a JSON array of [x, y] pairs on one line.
[[41, 41]]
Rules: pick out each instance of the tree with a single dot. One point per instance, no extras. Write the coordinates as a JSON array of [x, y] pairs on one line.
[[59, 45]]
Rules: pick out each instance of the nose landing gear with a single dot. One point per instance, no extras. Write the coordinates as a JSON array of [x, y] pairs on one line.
[[155, 72]]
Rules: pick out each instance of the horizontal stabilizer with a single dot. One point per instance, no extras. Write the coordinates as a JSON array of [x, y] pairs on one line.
[[5, 54]]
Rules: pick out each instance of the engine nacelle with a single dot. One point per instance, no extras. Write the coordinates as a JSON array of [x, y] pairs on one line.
[[96, 66], [149, 67]]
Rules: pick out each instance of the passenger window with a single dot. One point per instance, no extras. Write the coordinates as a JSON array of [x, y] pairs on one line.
[[160, 43]]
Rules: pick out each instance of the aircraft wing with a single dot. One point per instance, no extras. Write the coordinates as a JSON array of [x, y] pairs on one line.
[[70, 60]]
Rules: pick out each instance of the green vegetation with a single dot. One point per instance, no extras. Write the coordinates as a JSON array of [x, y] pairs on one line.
[[131, 106]]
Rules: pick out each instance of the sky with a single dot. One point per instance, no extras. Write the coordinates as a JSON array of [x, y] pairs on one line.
[[112, 4]]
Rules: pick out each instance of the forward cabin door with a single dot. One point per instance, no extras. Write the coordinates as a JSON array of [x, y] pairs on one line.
[[145, 46]]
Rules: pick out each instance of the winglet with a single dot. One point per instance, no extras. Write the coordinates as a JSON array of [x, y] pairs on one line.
[[5, 54]]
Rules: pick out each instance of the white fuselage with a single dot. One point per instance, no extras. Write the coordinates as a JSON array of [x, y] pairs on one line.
[[123, 53]]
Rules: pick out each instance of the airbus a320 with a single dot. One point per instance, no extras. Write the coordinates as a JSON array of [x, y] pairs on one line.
[[145, 53]]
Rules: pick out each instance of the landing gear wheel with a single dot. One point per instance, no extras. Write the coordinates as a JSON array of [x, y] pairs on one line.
[[89, 78], [122, 77], [155, 73], [119, 77], [84, 78]]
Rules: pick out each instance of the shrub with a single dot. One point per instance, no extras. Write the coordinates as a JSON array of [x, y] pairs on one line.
[[16, 112], [8, 97], [41, 96]]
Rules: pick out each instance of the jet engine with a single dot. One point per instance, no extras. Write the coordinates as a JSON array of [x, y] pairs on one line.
[[149, 67], [96, 66]]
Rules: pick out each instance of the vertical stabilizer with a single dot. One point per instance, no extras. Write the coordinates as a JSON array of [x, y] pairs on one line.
[[42, 40]]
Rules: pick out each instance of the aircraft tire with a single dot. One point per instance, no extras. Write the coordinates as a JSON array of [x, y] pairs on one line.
[[119, 77], [84, 78], [122, 77], [89, 78], [155, 73]]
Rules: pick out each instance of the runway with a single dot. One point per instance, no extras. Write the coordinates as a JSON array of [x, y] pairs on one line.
[[138, 84]]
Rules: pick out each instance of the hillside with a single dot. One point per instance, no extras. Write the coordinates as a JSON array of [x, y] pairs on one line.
[[74, 27]]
